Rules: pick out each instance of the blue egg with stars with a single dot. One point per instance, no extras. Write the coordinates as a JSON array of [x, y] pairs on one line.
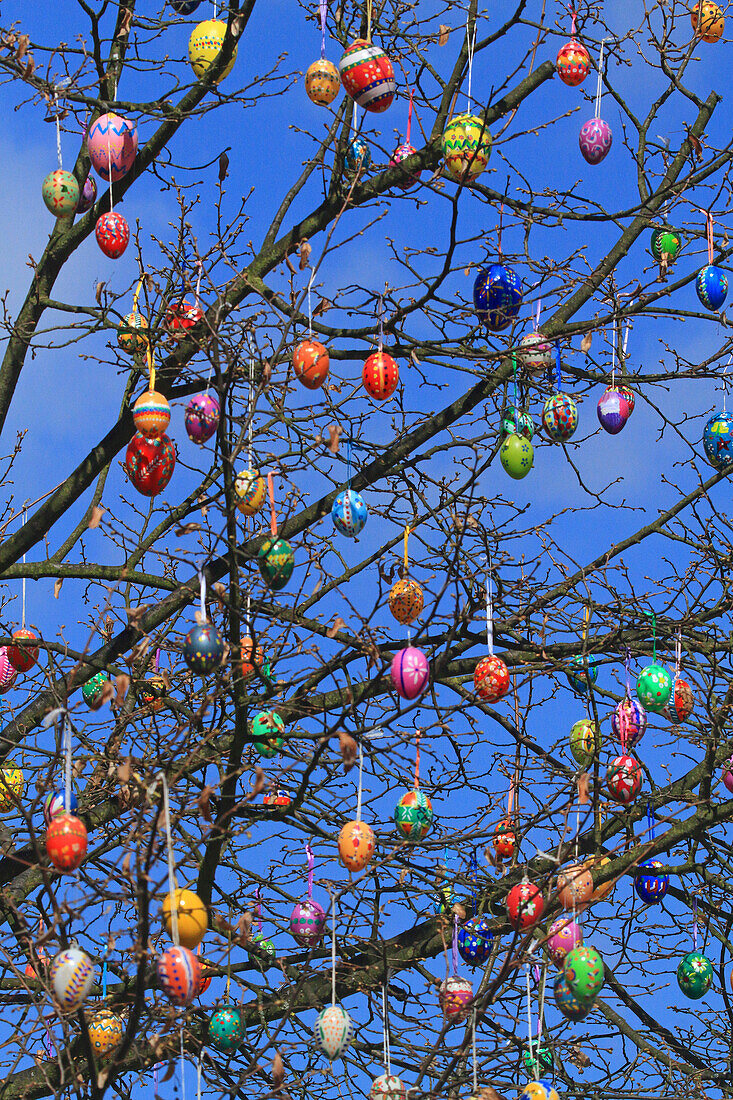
[[358, 153], [185, 7], [717, 439], [203, 648], [475, 940], [349, 513], [578, 677], [650, 887], [497, 296], [712, 286]]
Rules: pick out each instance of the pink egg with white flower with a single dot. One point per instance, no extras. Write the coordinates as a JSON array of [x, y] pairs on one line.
[[410, 672]]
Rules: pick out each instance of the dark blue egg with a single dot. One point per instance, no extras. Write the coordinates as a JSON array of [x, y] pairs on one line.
[[578, 677], [717, 439], [650, 887], [712, 286], [203, 649], [475, 940], [570, 1005], [497, 296], [185, 7], [358, 152]]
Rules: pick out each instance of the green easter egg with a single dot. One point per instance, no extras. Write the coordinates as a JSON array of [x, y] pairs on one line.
[[666, 239], [226, 1029], [276, 561], [584, 972], [537, 1061], [585, 741], [92, 689], [516, 420], [266, 730], [517, 456], [695, 975], [654, 687]]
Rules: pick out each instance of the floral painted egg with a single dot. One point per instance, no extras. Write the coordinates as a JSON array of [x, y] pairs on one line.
[[695, 975], [71, 976], [322, 82], [567, 1002], [12, 785], [106, 1030], [358, 155], [579, 676], [191, 914], [524, 905], [179, 975], [131, 333], [307, 922], [202, 417], [21, 653], [516, 456], [402, 152], [113, 234], [562, 936], [505, 840], [717, 439], [584, 972], [707, 20], [151, 414], [112, 141], [497, 296], [681, 703], [55, 804], [250, 488], [629, 722], [538, 1060], [560, 417], [181, 317], [92, 690], [66, 842], [203, 649], [405, 600], [267, 947], [277, 799], [666, 241], [623, 779], [276, 561], [574, 887], [226, 1029], [595, 140], [356, 845], [413, 815], [539, 1090], [253, 658], [387, 1087], [61, 193], [409, 672], [310, 363], [204, 47], [517, 421], [613, 410], [651, 887], [380, 376], [536, 353], [267, 730], [573, 63], [585, 741], [368, 76], [456, 997], [654, 687], [475, 940], [491, 679], [466, 147], [712, 286], [349, 513], [88, 195], [333, 1032]]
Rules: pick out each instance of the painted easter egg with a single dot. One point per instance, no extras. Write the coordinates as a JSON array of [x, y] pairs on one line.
[[106, 1030], [8, 674], [356, 845], [681, 702], [204, 47], [307, 922], [322, 82], [150, 463], [595, 140], [333, 1032], [650, 886], [349, 513], [623, 779], [491, 679], [695, 975], [582, 672], [516, 456], [71, 976], [277, 799], [12, 785], [310, 363], [267, 947], [276, 561], [601, 891], [185, 7], [585, 741], [717, 439], [574, 887], [573, 63], [113, 234], [560, 417], [456, 997], [402, 152], [203, 649], [504, 840], [613, 410], [251, 491], [55, 803], [466, 147], [711, 285], [539, 1090], [413, 815], [562, 936], [267, 730], [253, 658], [151, 414], [66, 842], [629, 722], [707, 20], [358, 155], [112, 143], [202, 417], [497, 296], [61, 193], [92, 690], [131, 333], [524, 905], [584, 972], [191, 914], [409, 672], [475, 940], [387, 1087], [570, 1005], [536, 353], [380, 375], [654, 687], [405, 600], [517, 421], [368, 76], [181, 316], [179, 974], [88, 195], [226, 1029], [21, 653], [665, 241]]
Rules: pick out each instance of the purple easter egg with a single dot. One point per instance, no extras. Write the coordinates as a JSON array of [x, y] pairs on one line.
[[410, 672], [202, 417], [307, 922], [88, 195], [613, 410], [728, 775], [595, 139]]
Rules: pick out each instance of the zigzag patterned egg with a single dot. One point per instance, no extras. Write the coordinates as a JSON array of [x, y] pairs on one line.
[[112, 141]]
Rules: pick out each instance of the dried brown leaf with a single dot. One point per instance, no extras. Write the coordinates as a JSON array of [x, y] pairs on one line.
[[259, 783], [348, 749], [443, 34], [126, 866], [203, 803], [187, 529], [244, 926], [323, 306], [104, 696], [223, 166], [23, 44], [122, 684], [278, 1071], [220, 592], [333, 630], [414, 358], [96, 517], [169, 1072], [305, 250], [124, 771], [204, 506], [334, 438], [586, 342], [289, 263], [57, 587], [583, 788]]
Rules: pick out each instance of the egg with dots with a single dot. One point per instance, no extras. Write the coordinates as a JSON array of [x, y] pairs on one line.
[[708, 21], [151, 414], [202, 417], [179, 975], [66, 842], [23, 653], [205, 45], [311, 363], [406, 600], [562, 936], [12, 786], [112, 145], [192, 917], [505, 840], [106, 1030], [322, 82], [380, 375], [61, 193], [368, 76], [131, 333], [113, 234], [251, 492], [356, 845], [491, 679], [574, 887], [573, 63]]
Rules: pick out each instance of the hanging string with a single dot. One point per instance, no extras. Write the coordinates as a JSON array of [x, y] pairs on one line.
[[409, 118], [406, 537], [501, 226], [333, 948], [22, 587], [471, 49], [310, 312], [558, 369], [650, 821], [537, 314], [358, 792], [599, 88], [151, 368], [171, 862], [369, 20], [613, 355], [380, 312], [455, 943], [385, 1029], [573, 15], [109, 163], [66, 742], [198, 1077], [709, 226], [694, 921], [197, 292], [417, 760], [354, 123], [250, 403], [473, 1049], [516, 392], [653, 617], [58, 131], [323, 6], [202, 593], [626, 341], [273, 513], [311, 865], [541, 1005], [489, 608], [530, 1037], [183, 1071], [258, 910], [104, 977], [678, 654]]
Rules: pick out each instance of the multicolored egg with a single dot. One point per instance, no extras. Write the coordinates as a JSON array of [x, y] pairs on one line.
[[517, 421], [629, 722], [150, 463], [131, 335], [92, 690], [585, 741], [504, 840], [276, 561], [654, 687], [151, 414], [387, 1087], [226, 1029], [349, 513], [191, 914], [266, 946], [402, 152], [562, 936], [681, 703], [250, 488], [112, 141], [409, 672], [253, 658], [307, 922], [23, 657], [456, 997], [405, 600], [112, 233], [573, 63], [524, 905], [710, 19], [277, 800], [322, 82], [613, 410], [358, 157], [604, 889], [333, 1032], [204, 47], [202, 417], [584, 972], [537, 1060], [368, 76], [66, 842], [179, 974], [711, 285], [267, 730], [595, 139], [497, 296], [623, 779], [574, 887], [380, 375], [650, 886], [106, 1030], [61, 193], [539, 1090], [181, 317], [356, 845], [695, 975], [55, 803], [466, 147], [475, 940], [666, 241], [12, 785], [717, 439], [583, 672], [536, 353], [203, 649], [8, 673], [311, 363], [491, 679], [570, 1006], [71, 976], [88, 195], [516, 456], [413, 815], [560, 417]]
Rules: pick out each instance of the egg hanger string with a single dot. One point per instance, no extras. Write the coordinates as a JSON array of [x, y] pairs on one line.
[[454, 947], [678, 654], [311, 863], [310, 312], [369, 20], [151, 367], [489, 605], [599, 86], [409, 118], [273, 513], [653, 617], [527, 969], [22, 587], [250, 400], [202, 593], [380, 315], [109, 162], [66, 743], [573, 17], [708, 215], [171, 861], [723, 379], [323, 12], [334, 897], [473, 1049], [385, 1027], [57, 112], [470, 49]]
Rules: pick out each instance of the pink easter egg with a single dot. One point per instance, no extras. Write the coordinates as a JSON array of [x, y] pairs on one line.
[[307, 922], [402, 152], [7, 671], [112, 142], [595, 140], [410, 672], [728, 775], [562, 935], [202, 417]]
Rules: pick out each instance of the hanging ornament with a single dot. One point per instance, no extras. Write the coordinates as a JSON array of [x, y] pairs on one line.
[[149, 463], [666, 243], [573, 60], [308, 920], [380, 374], [358, 158], [202, 417], [179, 975], [12, 785], [112, 146], [322, 80], [535, 354], [277, 799], [476, 940], [727, 775], [629, 722], [623, 779], [130, 334], [387, 1087], [113, 234], [505, 840], [456, 997], [71, 976], [574, 887], [491, 679], [560, 413], [106, 1031], [205, 975], [367, 73], [276, 558], [406, 596], [356, 841], [333, 1032], [650, 886], [253, 658], [695, 975], [409, 672], [182, 316], [585, 742], [595, 136], [349, 512], [55, 803], [517, 456], [402, 152], [311, 363], [190, 914], [413, 814], [66, 842], [151, 412], [267, 728], [88, 195], [93, 689], [712, 282], [682, 702], [517, 421], [654, 685], [540, 1090], [525, 905], [570, 1005], [613, 410], [203, 646], [708, 21], [8, 674], [265, 946], [584, 972], [204, 47], [466, 147], [61, 193], [583, 672], [538, 1060], [226, 1029], [497, 296], [185, 7], [250, 488], [604, 889], [23, 656], [562, 936]]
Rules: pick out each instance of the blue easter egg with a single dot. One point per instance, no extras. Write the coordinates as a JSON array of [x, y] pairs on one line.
[[475, 940], [497, 296], [349, 513], [203, 649], [55, 803], [712, 286], [717, 439], [578, 677], [650, 887], [358, 151]]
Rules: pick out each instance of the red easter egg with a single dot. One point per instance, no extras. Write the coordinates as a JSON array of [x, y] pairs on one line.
[[678, 709], [150, 463], [113, 234], [66, 842], [380, 375], [491, 679], [524, 905], [205, 976], [311, 363], [623, 779], [181, 316], [23, 657], [368, 76], [505, 840], [573, 63]]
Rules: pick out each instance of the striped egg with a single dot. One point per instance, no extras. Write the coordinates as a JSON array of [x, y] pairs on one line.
[[151, 414], [179, 975]]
